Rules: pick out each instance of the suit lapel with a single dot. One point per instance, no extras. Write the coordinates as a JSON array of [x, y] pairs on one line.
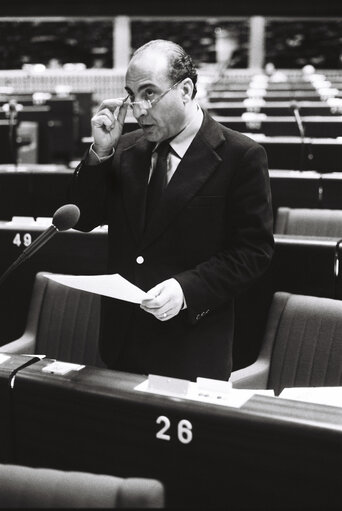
[[197, 165], [135, 166]]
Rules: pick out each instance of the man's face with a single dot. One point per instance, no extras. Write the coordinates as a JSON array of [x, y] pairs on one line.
[[147, 78]]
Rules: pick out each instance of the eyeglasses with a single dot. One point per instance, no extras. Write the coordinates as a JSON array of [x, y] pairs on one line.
[[147, 104]]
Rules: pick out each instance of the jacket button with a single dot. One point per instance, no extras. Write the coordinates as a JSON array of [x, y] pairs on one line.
[[140, 259]]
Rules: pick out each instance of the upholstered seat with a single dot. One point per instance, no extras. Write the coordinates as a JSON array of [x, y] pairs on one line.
[[302, 345], [63, 323], [27, 487], [309, 222]]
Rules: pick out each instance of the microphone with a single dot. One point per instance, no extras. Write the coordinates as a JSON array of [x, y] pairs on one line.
[[298, 118], [11, 111], [63, 219], [301, 130]]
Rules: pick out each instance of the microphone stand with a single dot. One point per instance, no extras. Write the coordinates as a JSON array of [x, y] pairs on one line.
[[301, 133], [64, 218], [30, 250], [12, 115]]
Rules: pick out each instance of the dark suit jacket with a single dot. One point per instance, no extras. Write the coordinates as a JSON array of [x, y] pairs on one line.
[[213, 234]]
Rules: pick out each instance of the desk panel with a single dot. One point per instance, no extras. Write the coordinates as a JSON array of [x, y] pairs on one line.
[[33, 190], [321, 154], [277, 108], [295, 189], [305, 265], [314, 126], [9, 367], [332, 190], [269, 454], [268, 96], [56, 129]]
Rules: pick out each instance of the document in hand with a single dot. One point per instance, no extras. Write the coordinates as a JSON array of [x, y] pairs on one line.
[[114, 286]]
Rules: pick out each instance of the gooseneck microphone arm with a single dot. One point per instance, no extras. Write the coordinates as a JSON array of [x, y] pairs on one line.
[[64, 218], [301, 130]]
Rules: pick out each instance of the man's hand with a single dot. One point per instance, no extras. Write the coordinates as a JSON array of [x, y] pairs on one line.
[[167, 302], [107, 125]]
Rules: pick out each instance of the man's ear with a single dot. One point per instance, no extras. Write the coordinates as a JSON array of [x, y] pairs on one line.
[[187, 89]]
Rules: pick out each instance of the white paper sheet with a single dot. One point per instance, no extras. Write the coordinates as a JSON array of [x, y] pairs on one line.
[[114, 286], [320, 395], [195, 391]]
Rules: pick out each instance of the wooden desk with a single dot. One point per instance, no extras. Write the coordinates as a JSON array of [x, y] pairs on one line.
[[272, 108], [268, 454], [314, 126], [321, 154], [32, 189]]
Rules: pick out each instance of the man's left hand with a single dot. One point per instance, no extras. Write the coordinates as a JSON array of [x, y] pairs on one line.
[[167, 302]]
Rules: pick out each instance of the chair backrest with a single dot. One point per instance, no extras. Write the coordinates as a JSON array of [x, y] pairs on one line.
[[309, 222], [303, 338], [67, 322], [27, 487]]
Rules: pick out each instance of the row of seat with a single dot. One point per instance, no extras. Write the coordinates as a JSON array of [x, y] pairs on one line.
[[39, 190], [319, 126], [62, 121], [272, 108], [30, 487], [297, 258], [82, 418], [63, 324], [273, 95]]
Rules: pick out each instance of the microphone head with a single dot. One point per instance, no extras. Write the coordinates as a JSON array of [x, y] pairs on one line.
[[66, 217]]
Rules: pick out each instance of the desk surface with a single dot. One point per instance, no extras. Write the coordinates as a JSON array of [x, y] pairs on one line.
[[269, 452]]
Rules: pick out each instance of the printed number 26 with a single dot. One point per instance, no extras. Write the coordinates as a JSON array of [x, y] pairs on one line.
[[184, 430]]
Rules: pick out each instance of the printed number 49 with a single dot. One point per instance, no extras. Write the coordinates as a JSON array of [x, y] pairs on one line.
[[27, 239], [184, 430]]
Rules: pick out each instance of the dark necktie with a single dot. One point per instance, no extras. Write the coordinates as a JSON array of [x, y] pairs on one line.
[[157, 182]]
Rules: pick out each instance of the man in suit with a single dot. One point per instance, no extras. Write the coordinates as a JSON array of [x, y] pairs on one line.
[[204, 237]]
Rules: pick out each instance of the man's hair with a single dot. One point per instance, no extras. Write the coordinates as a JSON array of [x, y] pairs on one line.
[[181, 64]]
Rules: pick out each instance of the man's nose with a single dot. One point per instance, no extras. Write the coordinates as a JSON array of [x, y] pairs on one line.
[[139, 110]]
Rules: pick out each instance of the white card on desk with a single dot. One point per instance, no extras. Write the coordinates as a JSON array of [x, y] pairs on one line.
[[320, 395]]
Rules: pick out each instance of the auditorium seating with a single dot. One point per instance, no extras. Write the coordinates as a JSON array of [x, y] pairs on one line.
[[38, 190], [101, 423], [299, 95], [320, 154], [307, 265], [62, 121], [295, 189], [9, 366], [33, 190], [332, 190], [302, 345], [30, 487], [69, 252], [314, 126], [63, 323], [271, 108], [309, 222]]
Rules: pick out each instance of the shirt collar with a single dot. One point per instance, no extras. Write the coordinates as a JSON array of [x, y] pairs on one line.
[[181, 142]]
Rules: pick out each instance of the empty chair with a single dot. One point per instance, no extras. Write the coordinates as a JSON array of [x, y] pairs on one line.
[[63, 323], [309, 222], [302, 345], [27, 487]]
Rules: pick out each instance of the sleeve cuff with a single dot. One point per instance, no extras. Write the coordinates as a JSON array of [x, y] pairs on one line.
[[94, 158]]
